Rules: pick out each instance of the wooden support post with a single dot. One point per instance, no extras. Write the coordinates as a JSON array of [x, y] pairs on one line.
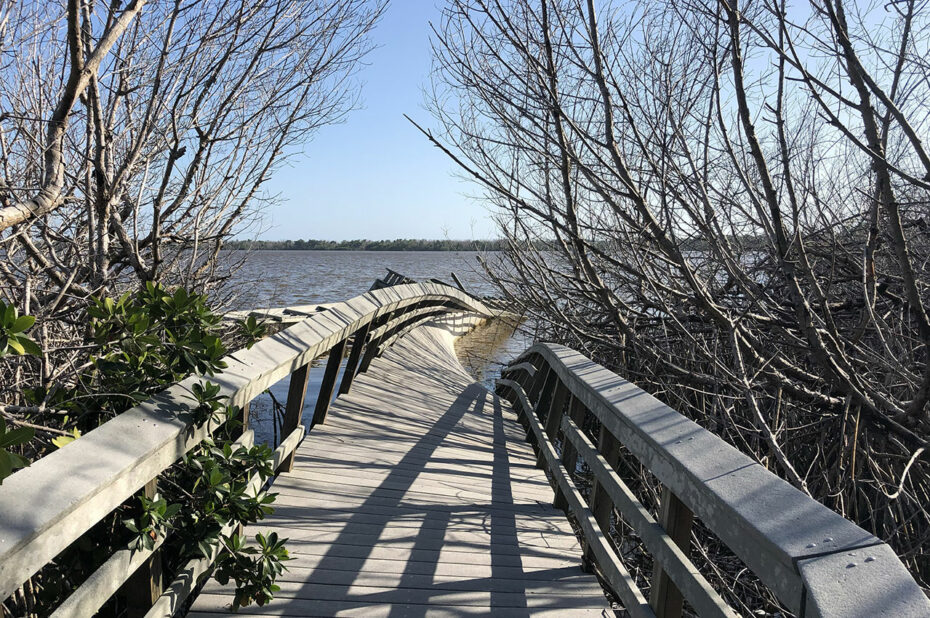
[[457, 282], [325, 395], [294, 409], [372, 349], [548, 407], [358, 344], [601, 504], [244, 413], [518, 409], [576, 411], [556, 408], [665, 598], [541, 407], [547, 382], [537, 381], [144, 586]]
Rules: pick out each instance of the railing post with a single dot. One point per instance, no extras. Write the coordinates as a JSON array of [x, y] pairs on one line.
[[372, 349], [601, 504], [358, 344], [576, 411], [537, 381], [556, 408], [294, 409], [665, 598], [329, 383], [143, 587], [542, 403], [246, 409], [553, 402]]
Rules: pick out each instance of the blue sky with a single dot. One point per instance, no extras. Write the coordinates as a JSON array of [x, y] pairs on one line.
[[375, 176]]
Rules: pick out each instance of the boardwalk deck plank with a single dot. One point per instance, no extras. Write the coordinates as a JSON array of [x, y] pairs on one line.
[[420, 497]]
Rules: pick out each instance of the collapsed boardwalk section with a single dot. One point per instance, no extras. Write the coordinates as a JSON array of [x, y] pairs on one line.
[[420, 496]]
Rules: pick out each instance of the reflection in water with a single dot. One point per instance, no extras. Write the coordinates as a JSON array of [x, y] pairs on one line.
[[486, 350]]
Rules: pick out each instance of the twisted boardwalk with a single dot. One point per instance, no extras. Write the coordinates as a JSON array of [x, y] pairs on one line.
[[419, 496]]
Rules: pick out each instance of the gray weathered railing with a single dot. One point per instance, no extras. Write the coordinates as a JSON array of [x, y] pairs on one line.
[[816, 562], [48, 506]]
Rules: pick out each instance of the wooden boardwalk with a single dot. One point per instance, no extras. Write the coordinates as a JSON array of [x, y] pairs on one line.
[[419, 496]]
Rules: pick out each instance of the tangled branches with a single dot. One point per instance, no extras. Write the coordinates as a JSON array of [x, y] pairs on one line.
[[734, 205]]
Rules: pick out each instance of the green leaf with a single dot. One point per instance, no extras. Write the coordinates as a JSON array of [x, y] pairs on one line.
[[16, 346], [29, 346], [9, 314], [22, 323], [6, 465], [61, 441], [20, 435]]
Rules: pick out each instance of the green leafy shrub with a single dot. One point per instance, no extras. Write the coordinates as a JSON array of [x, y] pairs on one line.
[[13, 341], [13, 437], [252, 330], [145, 342], [154, 522], [254, 568], [223, 486], [12, 329], [148, 341]]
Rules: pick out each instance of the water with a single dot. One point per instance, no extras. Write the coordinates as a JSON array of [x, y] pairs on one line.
[[283, 278]]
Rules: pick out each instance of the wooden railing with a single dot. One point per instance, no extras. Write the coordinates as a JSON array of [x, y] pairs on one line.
[[816, 562], [51, 504], [391, 279]]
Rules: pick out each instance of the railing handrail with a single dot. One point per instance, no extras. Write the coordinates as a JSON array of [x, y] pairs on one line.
[[49, 505], [813, 559]]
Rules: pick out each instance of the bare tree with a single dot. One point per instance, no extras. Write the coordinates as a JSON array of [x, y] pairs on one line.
[[136, 137], [727, 203]]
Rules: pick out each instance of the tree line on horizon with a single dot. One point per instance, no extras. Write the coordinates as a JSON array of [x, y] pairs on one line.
[[424, 244], [363, 244]]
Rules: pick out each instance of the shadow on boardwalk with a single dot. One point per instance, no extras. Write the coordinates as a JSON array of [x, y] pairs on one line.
[[419, 497]]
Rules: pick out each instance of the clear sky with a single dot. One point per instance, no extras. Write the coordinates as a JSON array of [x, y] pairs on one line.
[[375, 176]]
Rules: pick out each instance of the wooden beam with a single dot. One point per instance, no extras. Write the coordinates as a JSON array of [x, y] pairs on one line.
[[377, 336], [544, 406], [676, 518], [294, 408], [358, 344], [611, 567], [325, 395], [702, 597], [754, 512], [144, 586], [576, 412], [556, 409]]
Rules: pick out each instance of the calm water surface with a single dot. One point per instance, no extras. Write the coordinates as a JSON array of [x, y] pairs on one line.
[[283, 278]]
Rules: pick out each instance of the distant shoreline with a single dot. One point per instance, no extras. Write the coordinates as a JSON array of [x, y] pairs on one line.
[[400, 244]]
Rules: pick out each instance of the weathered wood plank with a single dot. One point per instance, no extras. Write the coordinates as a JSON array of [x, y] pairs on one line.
[[404, 610], [325, 396], [420, 492]]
